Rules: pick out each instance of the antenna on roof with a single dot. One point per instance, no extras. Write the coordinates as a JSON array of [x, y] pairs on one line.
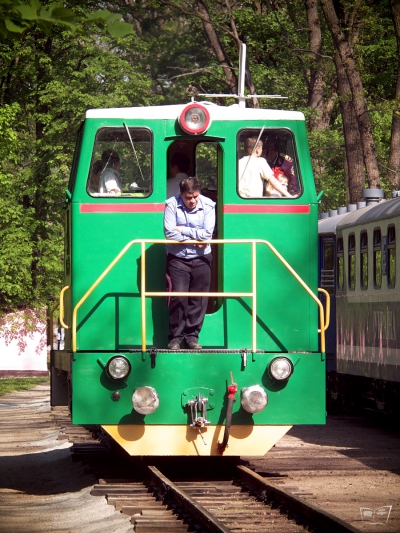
[[241, 97], [242, 74]]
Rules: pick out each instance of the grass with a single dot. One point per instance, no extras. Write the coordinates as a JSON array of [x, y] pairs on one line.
[[16, 384]]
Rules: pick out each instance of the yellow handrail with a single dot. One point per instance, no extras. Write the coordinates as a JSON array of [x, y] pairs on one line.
[[63, 291], [328, 309], [145, 294]]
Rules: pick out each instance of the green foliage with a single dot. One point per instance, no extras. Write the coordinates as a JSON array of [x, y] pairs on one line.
[[17, 17], [17, 384], [382, 122], [59, 59], [207, 165], [15, 223], [49, 81], [327, 152]]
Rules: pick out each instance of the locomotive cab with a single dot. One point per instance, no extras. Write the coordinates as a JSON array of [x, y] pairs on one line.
[[263, 334]]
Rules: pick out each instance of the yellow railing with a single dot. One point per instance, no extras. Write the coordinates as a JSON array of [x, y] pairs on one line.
[[328, 309], [63, 291], [252, 294]]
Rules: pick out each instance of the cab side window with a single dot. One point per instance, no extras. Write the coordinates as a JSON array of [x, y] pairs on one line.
[[121, 163], [267, 164]]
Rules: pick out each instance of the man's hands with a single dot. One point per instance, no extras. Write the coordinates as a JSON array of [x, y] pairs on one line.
[[180, 229]]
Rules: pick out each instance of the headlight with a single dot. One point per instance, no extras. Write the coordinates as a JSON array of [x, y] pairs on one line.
[[118, 367], [195, 119], [254, 399], [145, 400], [280, 368]]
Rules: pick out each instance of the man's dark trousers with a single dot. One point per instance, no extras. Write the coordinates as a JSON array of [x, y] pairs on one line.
[[186, 315]]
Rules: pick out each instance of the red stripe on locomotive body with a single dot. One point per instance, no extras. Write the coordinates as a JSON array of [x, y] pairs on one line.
[[122, 208], [266, 209]]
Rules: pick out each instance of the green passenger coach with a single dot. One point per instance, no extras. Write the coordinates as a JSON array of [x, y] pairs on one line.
[[263, 334]]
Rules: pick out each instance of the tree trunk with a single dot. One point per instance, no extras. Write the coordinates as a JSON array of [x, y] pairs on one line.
[[217, 47], [41, 169], [321, 104], [352, 142], [316, 86], [393, 175], [7, 82], [249, 79], [345, 51]]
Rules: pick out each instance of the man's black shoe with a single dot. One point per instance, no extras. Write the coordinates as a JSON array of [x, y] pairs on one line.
[[173, 345], [193, 345]]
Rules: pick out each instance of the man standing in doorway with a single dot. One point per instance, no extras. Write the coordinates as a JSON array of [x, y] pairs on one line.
[[188, 216], [179, 168]]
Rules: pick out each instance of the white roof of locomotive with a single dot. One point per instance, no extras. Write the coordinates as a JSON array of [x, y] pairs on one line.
[[168, 112]]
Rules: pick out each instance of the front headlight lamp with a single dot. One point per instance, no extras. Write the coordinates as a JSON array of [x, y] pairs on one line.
[[118, 367], [145, 400], [254, 399], [281, 368]]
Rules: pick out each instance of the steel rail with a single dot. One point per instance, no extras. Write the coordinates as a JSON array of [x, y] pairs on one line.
[[172, 492], [317, 517]]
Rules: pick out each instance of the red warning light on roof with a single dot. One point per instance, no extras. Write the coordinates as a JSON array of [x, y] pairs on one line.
[[195, 119]]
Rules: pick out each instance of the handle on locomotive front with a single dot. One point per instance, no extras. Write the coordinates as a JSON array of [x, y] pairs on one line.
[[327, 309], [61, 318]]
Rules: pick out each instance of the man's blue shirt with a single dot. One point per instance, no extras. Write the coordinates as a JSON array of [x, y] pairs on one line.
[[198, 224]]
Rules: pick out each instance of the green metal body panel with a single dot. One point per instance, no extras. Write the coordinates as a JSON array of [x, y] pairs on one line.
[[109, 322], [179, 377], [111, 318]]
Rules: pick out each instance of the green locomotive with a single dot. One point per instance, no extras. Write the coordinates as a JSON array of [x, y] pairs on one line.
[[263, 334]]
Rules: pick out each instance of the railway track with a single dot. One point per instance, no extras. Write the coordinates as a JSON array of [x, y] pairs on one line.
[[247, 503], [159, 498], [346, 466]]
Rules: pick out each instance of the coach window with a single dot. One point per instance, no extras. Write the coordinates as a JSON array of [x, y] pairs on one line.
[[261, 151], [377, 266], [352, 262], [339, 264], [121, 164], [391, 259], [364, 260]]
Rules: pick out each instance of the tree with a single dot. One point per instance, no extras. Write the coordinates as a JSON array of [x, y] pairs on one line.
[[17, 17], [320, 105], [15, 221], [58, 60], [47, 83], [217, 46], [393, 174], [346, 54]]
